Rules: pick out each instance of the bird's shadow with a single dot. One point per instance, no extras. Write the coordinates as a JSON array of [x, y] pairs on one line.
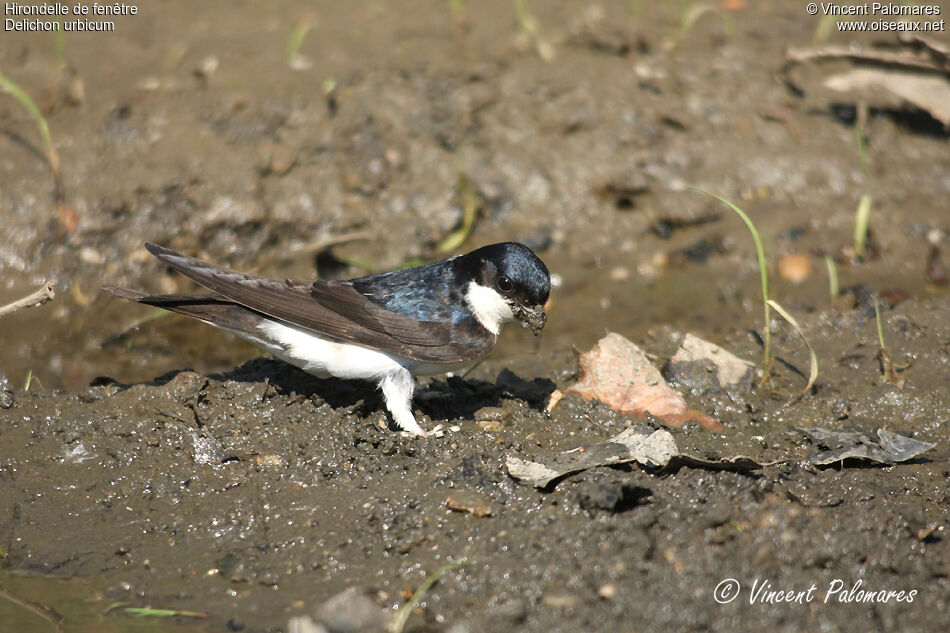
[[442, 399]]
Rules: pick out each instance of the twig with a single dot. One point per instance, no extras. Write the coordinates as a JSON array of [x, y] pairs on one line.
[[322, 244], [938, 51], [38, 298], [880, 58], [47, 614]]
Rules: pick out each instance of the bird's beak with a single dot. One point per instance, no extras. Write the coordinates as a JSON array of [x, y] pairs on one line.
[[532, 318]]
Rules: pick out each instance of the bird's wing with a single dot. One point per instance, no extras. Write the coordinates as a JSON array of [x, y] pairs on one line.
[[348, 302], [336, 310]]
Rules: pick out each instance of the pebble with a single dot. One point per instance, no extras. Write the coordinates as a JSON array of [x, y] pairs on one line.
[[559, 601], [795, 268]]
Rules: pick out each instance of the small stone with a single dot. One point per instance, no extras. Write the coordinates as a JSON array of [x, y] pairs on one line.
[[268, 460], [497, 414], [489, 426], [563, 602], [209, 65], [795, 268], [275, 158], [352, 610], [469, 501], [269, 579], [305, 624], [610, 497], [620, 273], [492, 419], [89, 255], [608, 591]]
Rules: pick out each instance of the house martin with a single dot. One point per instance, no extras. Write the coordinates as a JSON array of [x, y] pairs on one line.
[[386, 328]]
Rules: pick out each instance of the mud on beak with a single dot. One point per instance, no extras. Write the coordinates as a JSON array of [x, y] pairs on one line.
[[532, 318]]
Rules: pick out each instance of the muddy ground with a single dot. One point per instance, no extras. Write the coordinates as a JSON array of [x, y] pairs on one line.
[[154, 463]]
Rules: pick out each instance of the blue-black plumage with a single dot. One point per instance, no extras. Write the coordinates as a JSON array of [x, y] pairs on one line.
[[386, 327]]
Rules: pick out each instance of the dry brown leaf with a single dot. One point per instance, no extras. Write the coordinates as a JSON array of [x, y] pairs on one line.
[[618, 373], [924, 91]]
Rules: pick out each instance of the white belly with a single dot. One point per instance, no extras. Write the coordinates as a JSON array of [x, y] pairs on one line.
[[324, 357]]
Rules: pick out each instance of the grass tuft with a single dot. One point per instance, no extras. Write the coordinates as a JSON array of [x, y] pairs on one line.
[[11, 87], [889, 370], [67, 215], [763, 273], [813, 371]]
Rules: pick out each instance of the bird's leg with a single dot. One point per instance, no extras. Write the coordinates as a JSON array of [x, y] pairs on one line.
[[397, 390]]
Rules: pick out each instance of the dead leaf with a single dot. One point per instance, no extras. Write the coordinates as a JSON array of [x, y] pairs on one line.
[[841, 445], [704, 366], [736, 464], [653, 450], [927, 92], [618, 373]]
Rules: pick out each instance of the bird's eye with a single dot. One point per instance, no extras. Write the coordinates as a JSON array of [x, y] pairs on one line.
[[504, 284]]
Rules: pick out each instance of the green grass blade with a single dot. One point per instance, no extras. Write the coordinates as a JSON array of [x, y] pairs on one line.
[[454, 240], [861, 220], [11, 87], [862, 141], [59, 47], [832, 277], [402, 616], [29, 105], [295, 41], [813, 373], [877, 319], [526, 19], [763, 273], [824, 29]]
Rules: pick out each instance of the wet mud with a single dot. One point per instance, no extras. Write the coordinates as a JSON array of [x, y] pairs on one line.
[[152, 462]]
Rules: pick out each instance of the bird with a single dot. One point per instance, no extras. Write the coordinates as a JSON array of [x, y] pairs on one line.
[[387, 328]]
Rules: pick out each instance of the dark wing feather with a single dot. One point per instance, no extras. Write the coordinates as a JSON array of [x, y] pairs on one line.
[[345, 300], [209, 307], [335, 310]]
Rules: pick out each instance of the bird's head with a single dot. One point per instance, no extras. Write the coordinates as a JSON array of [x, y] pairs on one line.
[[505, 281]]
